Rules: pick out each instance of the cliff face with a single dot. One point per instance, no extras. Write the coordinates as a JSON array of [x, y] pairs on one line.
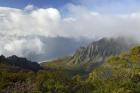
[[97, 51]]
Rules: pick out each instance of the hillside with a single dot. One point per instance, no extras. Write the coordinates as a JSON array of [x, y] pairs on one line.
[[119, 74], [17, 63]]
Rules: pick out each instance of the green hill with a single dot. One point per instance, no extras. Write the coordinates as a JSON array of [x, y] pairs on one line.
[[118, 74]]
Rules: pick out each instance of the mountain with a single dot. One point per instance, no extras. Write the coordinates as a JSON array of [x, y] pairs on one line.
[[119, 74], [85, 59], [99, 50], [17, 63]]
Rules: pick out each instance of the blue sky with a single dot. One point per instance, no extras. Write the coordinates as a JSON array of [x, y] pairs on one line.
[[38, 3], [113, 6], [103, 6]]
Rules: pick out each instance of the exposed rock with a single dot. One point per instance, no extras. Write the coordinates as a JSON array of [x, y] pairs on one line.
[[97, 51]]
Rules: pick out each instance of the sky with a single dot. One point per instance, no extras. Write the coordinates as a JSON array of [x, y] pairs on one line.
[[23, 22], [104, 6], [39, 3]]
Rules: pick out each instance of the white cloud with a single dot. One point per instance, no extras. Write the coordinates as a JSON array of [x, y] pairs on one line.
[[22, 47], [84, 22], [29, 7], [81, 22], [36, 22]]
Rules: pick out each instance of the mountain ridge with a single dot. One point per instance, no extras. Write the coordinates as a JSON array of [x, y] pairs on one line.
[[87, 58], [99, 50], [19, 63]]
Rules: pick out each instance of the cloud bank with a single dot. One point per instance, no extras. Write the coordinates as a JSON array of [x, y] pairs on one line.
[[21, 30]]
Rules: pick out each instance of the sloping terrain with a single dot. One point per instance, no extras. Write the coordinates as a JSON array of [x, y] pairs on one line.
[[14, 62], [118, 74]]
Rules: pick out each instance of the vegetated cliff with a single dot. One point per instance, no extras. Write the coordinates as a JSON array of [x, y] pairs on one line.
[[99, 50]]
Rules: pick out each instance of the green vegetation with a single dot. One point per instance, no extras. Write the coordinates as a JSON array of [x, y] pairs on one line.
[[119, 74]]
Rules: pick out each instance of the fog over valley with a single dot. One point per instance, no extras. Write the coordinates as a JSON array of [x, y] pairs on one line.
[[47, 33]]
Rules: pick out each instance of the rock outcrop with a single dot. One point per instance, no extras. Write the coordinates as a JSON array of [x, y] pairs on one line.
[[97, 51]]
